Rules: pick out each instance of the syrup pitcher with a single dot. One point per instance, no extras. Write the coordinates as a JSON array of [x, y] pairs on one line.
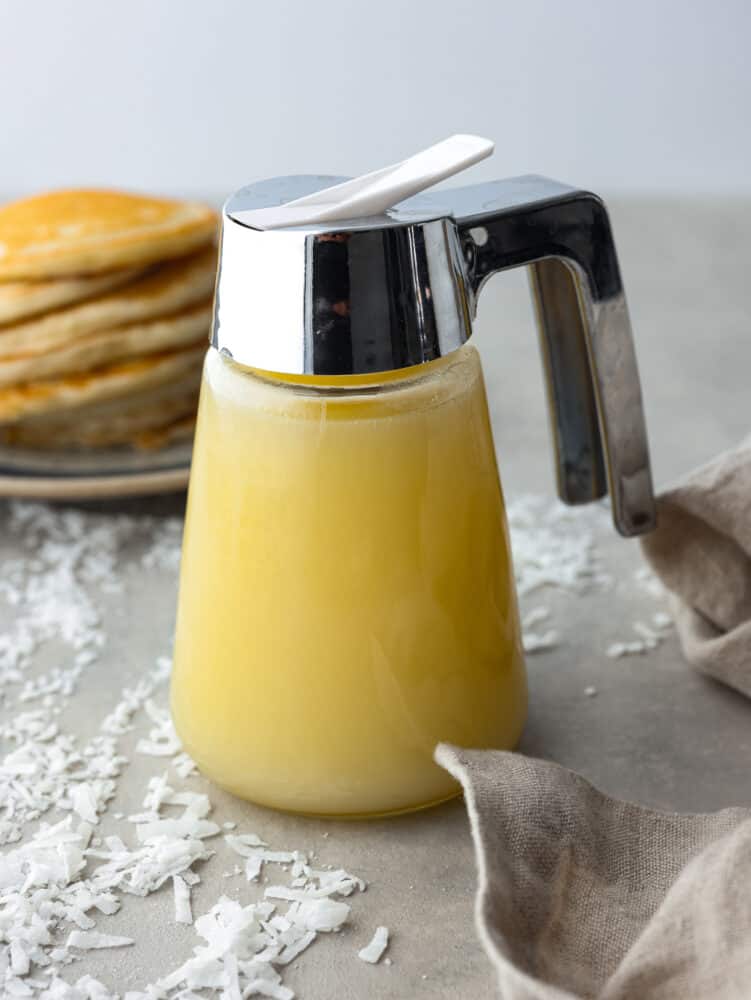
[[347, 592]]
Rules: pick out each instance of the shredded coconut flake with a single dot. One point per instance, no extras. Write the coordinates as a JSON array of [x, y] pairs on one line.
[[373, 951], [183, 912], [184, 766], [162, 741], [90, 940], [649, 637]]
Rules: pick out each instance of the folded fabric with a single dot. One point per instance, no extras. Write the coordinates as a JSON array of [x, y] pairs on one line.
[[701, 551], [584, 896]]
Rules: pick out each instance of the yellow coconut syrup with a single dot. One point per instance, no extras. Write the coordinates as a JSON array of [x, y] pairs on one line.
[[346, 597]]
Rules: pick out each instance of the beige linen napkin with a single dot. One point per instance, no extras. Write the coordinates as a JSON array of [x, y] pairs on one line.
[[702, 552], [584, 896]]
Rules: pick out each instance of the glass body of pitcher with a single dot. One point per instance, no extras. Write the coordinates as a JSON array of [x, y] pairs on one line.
[[347, 597]]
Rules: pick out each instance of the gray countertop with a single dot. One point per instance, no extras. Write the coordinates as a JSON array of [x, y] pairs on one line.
[[656, 732]]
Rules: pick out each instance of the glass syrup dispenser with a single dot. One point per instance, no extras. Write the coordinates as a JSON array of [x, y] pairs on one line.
[[347, 593]]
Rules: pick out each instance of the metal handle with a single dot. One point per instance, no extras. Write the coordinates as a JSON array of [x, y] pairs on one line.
[[564, 235]]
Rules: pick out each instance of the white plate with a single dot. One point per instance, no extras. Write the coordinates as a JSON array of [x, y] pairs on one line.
[[86, 475]]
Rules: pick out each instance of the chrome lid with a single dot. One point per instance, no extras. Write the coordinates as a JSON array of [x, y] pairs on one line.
[[367, 295]]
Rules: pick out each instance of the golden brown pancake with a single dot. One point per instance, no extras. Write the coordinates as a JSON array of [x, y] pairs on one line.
[[146, 419], [60, 395], [160, 437], [22, 299], [107, 347], [162, 291], [104, 434], [65, 233]]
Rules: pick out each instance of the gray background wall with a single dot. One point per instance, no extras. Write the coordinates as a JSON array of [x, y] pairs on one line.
[[197, 96]]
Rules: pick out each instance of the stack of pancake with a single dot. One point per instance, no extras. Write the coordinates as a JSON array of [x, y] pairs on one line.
[[105, 308]]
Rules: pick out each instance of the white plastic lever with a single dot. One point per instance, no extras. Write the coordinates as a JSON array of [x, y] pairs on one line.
[[378, 191]]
